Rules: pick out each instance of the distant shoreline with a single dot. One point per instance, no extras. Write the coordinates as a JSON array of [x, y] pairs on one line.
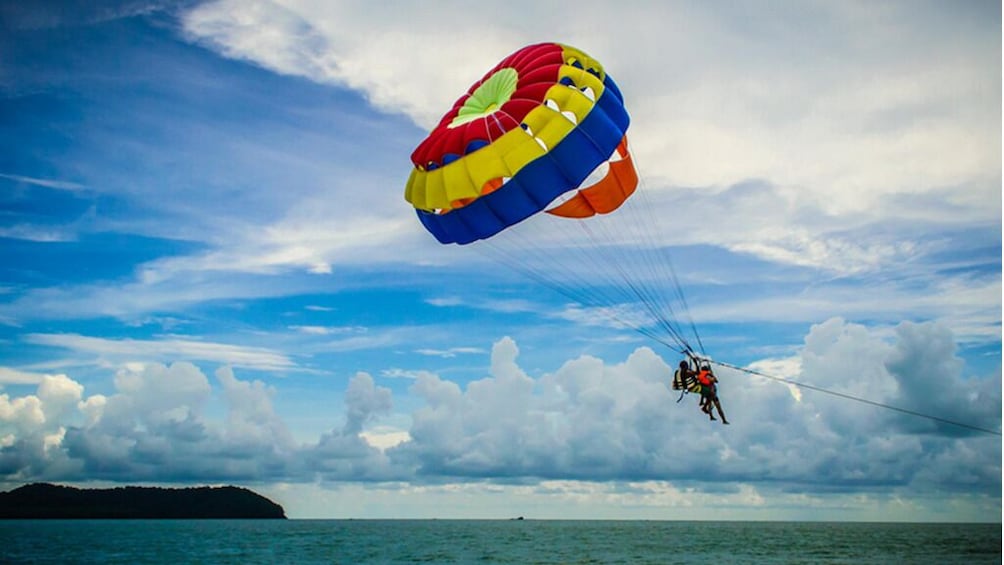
[[49, 501]]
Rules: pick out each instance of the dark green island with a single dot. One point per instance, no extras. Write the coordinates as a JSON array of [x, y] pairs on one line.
[[43, 500]]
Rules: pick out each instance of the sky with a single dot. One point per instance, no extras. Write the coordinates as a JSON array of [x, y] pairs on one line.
[[209, 274]]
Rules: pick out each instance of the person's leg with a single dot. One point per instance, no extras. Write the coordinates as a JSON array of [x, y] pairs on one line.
[[706, 407], [718, 405]]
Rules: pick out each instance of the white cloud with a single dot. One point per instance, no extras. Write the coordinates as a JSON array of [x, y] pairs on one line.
[[397, 373], [451, 352], [617, 316], [797, 246], [54, 184], [788, 369], [24, 411], [968, 304], [133, 349], [328, 330], [612, 500], [622, 421], [384, 438], [368, 341], [446, 302], [12, 376], [38, 233], [341, 44], [251, 419], [293, 242], [349, 454], [59, 395]]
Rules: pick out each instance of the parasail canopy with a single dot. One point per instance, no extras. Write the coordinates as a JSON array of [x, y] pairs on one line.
[[534, 128]]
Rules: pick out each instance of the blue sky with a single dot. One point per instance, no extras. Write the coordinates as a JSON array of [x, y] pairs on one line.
[[208, 272]]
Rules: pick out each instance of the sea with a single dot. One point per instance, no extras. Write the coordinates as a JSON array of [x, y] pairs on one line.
[[493, 541]]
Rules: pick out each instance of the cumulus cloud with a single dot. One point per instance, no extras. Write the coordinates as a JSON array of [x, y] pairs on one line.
[[22, 412], [364, 401], [347, 454], [155, 427], [589, 420], [251, 418], [621, 421], [923, 356]]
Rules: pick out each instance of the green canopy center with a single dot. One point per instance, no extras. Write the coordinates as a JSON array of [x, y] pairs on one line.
[[488, 97]]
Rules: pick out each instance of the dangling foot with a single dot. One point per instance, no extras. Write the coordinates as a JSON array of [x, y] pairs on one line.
[[712, 417], [724, 421]]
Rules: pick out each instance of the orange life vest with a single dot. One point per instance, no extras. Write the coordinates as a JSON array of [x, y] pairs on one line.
[[703, 378]]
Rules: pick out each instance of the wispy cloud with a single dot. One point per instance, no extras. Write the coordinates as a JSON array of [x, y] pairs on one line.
[[309, 245], [397, 373], [969, 304], [54, 184], [451, 352], [49, 15], [446, 301], [12, 376], [37, 233], [371, 340], [167, 349], [328, 330]]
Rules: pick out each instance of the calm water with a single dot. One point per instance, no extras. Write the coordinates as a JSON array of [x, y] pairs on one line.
[[485, 541]]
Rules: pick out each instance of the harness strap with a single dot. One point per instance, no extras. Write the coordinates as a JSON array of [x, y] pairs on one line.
[[689, 385]]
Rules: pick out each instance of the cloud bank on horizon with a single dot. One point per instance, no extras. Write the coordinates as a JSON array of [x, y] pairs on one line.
[[215, 188], [586, 421]]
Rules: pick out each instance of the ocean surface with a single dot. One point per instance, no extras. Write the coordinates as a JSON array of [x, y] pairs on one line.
[[488, 541]]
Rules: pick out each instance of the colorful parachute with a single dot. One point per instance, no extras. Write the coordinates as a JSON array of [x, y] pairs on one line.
[[533, 129]]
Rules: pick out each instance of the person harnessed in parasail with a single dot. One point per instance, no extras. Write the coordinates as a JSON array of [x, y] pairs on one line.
[[704, 382], [709, 393]]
